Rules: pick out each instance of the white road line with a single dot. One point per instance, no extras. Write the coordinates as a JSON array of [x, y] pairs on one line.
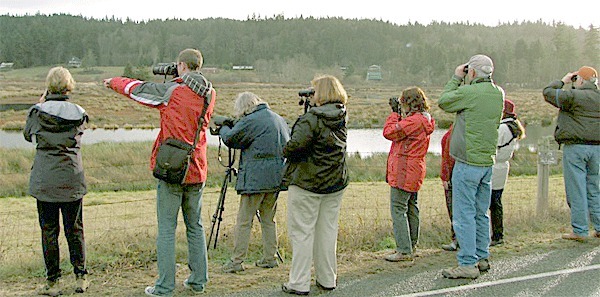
[[502, 281]]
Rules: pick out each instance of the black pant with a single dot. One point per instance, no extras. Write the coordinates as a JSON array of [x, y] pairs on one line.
[[448, 194], [72, 214], [497, 214]]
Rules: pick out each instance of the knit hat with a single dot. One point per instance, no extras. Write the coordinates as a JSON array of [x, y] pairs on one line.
[[587, 72], [482, 64], [509, 109]]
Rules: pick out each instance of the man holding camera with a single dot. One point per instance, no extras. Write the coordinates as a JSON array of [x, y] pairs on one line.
[[260, 134], [185, 104], [478, 106], [578, 129]]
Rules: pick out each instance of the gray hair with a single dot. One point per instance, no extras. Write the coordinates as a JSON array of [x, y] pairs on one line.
[[482, 64], [245, 103]]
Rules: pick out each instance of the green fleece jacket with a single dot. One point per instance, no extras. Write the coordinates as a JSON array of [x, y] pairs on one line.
[[478, 107]]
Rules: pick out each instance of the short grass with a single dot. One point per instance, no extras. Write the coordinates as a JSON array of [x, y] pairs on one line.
[[367, 105], [121, 228]]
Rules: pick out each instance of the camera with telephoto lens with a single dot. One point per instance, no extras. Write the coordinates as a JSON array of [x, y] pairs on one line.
[[574, 78], [165, 69]]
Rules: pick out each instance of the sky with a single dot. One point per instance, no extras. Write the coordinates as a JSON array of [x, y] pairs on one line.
[[574, 13]]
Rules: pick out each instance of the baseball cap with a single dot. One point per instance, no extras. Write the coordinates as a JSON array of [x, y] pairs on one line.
[[587, 72], [482, 63]]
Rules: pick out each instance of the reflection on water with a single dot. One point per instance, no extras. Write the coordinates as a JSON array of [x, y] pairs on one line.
[[362, 141]]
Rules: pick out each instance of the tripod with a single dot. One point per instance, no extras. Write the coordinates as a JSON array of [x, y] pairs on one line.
[[218, 215]]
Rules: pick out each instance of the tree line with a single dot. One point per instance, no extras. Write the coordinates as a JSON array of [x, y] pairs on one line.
[[528, 54]]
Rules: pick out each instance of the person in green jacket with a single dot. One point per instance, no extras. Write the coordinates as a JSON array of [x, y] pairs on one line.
[[478, 106]]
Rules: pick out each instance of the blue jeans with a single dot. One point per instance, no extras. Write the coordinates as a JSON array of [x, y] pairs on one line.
[[581, 168], [169, 198], [471, 191], [405, 219]]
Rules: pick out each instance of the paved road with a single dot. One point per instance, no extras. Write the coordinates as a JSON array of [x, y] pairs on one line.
[[573, 271]]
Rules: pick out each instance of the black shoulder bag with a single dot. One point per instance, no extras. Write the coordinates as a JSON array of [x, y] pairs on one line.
[[173, 156]]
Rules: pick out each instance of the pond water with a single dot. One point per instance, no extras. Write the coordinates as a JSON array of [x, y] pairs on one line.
[[362, 141]]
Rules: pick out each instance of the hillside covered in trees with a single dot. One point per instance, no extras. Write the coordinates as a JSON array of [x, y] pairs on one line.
[[290, 50]]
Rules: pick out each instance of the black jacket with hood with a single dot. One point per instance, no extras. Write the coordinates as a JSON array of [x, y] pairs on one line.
[[316, 152]]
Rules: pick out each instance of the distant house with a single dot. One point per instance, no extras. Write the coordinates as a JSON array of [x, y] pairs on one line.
[[210, 70], [74, 63], [242, 67], [6, 66], [374, 73]]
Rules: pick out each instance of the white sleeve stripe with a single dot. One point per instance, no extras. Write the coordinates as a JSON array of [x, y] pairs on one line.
[[146, 101], [130, 85]]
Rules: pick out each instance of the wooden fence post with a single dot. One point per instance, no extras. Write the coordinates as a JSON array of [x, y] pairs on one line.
[[546, 157]]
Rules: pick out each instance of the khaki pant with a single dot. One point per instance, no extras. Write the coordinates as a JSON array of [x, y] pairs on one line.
[[313, 229], [266, 204]]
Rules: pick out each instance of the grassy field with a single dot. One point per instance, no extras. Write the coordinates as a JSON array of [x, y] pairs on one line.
[[121, 229], [367, 105]]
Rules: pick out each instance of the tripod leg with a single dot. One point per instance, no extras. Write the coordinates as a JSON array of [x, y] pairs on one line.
[[218, 215]]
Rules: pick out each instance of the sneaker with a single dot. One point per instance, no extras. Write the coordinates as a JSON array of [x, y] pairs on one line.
[[398, 256], [483, 265], [288, 290], [81, 283], [451, 247], [573, 236], [324, 288], [470, 272], [496, 242], [266, 263], [189, 287], [52, 288], [151, 291], [231, 267]]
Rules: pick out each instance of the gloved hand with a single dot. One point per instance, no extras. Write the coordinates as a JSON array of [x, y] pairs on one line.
[[394, 103], [215, 131], [229, 122]]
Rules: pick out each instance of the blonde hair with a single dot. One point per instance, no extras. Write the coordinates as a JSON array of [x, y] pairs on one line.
[[414, 98], [328, 89], [192, 58], [245, 103], [59, 81]]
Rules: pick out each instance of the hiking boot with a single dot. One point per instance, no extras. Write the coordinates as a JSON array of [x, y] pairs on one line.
[[288, 290], [231, 267], [573, 236], [266, 263], [398, 256], [189, 287], [470, 272], [496, 242], [596, 234], [483, 265], [151, 291], [323, 287], [52, 288], [451, 247], [81, 283]]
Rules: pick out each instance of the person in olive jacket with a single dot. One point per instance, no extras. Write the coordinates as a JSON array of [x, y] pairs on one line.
[[317, 176], [57, 181], [578, 131], [260, 134]]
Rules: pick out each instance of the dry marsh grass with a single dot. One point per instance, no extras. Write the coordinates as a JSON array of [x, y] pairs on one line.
[[121, 228]]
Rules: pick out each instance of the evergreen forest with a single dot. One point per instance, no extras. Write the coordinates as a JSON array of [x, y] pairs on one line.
[[526, 54]]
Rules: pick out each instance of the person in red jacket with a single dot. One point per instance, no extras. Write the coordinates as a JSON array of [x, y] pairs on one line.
[[409, 127], [184, 103], [446, 176]]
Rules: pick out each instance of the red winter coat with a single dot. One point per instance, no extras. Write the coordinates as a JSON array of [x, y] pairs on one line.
[[410, 141], [447, 160], [180, 103]]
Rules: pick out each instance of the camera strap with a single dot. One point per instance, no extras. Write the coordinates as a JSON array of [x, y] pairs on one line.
[[207, 99]]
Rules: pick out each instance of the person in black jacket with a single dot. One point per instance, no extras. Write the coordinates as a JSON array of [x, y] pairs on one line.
[[260, 134], [317, 176], [577, 129], [57, 181]]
